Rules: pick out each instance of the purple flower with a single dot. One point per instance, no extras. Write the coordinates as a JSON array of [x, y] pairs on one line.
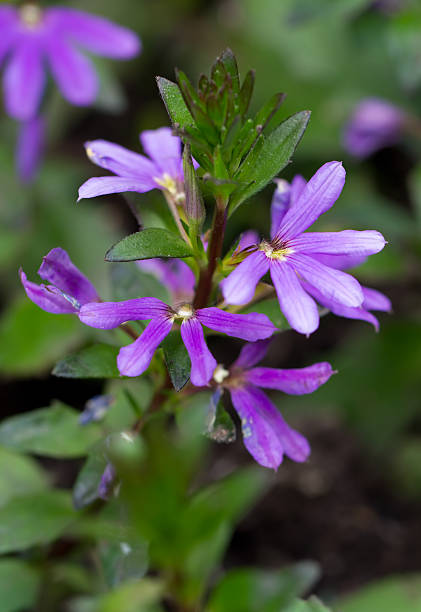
[[30, 147], [106, 486], [374, 124], [136, 357], [266, 435], [69, 288], [291, 255], [135, 172], [174, 274], [32, 36]]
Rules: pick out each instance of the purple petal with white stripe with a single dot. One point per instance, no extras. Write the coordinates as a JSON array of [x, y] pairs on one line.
[[30, 148], [251, 327], [334, 284], [298, 307], [122, 161], [108, 315], [164, 149], [43, 297], [347, 242], [265, 433], [203, 363], [294, 381], [319, 194], [251, 353], [240, 285], [135, 358], [58, 269], [24, 80], [104, 185]]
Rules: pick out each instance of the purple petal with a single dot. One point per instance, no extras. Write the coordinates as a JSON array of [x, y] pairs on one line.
[[374, 300], [58, 269], [135, 358], [164, 149], [108, 478], [280, 204], [295, 382], [108, 315], [45, 299], [174, 274], [104, 185], [348, 242], [298, 307], [251, 353], [74, 73], [334, 284], [122, 161], [203, 363], [265, 433], [9, 25], [247, 239], [251, 327], [340, 262], [24, 80], [320, 193], [96, 34], [240, 285], [297, 186], [30, 148]]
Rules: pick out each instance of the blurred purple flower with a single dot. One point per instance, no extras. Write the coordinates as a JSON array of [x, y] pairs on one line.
[[174, 274], [30, 147], [374, 124], [291, 256], [136, 357], [266, 435], [32, 36], [69, 288], [163, 169], [107, 482]]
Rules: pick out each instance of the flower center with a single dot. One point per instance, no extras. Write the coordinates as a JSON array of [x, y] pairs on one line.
[[272, 250], [170, 184], [220, 374], [185, 311], [30, 15]]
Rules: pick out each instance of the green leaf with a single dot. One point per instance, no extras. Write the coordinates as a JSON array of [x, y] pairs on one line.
[[174, 102], [393, 594], [246, 92], [177, 360], [132, 596], [220, 426], [52, 432], [36, 519], [228, 59], [194, 207], [85, 490], [147, 244], [24, 476], [263, 163], [19, 584], [272, 310], [123, 560], [98, 361], [250, 590]]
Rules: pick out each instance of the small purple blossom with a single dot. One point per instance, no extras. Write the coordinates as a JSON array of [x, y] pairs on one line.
[[374, 124], [106, 487], [266, 435], [291, 256], [33, 36], [68, 288], [30, 148], [135, 358], [163, 169]]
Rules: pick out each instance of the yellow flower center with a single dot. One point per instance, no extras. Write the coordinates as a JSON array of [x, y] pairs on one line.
[[30, 15], [185, 311], [273, 252], [169, 184]]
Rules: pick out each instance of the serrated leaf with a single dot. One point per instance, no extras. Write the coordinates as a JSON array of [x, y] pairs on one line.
[[97, 361], [264, 162], [35, 519], [148, 244], [19, 584], [177, 360], [51, 432], [174, 102]]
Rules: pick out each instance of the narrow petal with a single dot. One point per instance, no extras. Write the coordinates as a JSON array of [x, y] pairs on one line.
[[375, 300], [295, 382], [74, 73], [297, 186], [334, 284], [279, 205], [265, 433], [30, 148], [108, 315], [251, 327], [247, 239], [9, 25], [298, 307], [320, 193], [135, 358], [24, 80], [44, 298], [240, 285], [251, 353], [58, 269], [203, 363], [96, 34], [348, 242], [122, 161], [104, 185], [163, 148], [340, 262]]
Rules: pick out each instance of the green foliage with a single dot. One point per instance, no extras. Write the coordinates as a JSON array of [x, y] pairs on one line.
[[147, 244], [19, 584], [85, 490], [312, 605], [393, 594], [177, 360], [24, 476], [98, 361]]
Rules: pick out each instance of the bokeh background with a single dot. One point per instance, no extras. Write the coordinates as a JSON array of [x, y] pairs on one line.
[[355, 507]]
